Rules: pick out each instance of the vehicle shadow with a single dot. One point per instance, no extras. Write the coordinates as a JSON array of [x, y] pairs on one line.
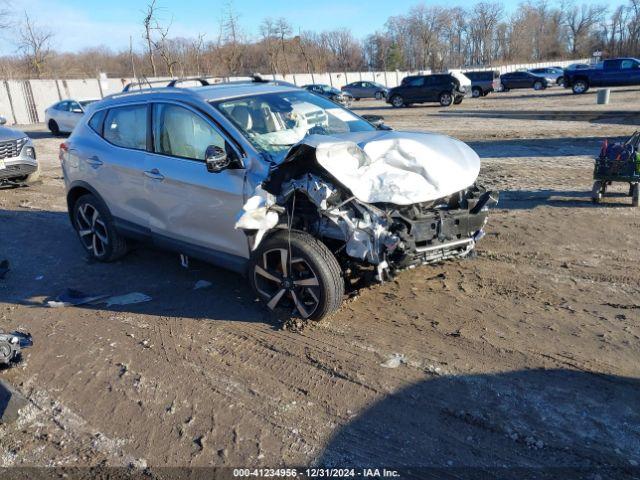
[[46, 265], [617, 117], [520, 424], [540, 147], [38, 135], [530, 199]]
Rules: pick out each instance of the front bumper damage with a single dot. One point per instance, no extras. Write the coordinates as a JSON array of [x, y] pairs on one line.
[[389, 236]]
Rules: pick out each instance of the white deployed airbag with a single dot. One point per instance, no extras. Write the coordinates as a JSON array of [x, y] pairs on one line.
[[397, 167]]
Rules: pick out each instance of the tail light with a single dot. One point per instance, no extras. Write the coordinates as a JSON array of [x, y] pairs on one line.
[[64, 148], [603, 150]]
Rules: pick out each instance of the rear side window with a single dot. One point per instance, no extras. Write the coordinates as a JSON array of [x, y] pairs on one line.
[[97, 120], [127, 127], [414, 82]]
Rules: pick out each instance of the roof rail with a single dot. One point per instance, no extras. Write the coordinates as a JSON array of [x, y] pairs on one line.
[[255, 78], [170, 83]]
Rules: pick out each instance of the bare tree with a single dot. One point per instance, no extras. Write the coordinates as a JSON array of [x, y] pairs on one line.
[[579, 21], [149, 22], [283, 30], [230, 41], [268, 32], [164, 46], [34, 42]]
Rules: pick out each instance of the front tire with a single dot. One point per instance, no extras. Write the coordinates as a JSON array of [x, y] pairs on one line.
[[446, 99], [537, 85], [96, 230], [635, 195], [397, 101], [294, 270], [379, 96]]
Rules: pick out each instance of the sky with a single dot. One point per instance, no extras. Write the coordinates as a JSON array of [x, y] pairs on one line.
[[79, 24]]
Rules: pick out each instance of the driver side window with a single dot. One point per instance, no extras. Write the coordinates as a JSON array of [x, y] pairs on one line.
[[179, 132]]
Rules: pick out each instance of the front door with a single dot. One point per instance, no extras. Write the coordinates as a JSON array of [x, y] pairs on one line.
[[190, 205]]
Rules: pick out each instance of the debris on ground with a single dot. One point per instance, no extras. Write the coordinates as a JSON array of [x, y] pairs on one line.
[[128, 299], [4, 268], [394, 361], [73, 297], [11, 345], [11, 401], [202, 284]]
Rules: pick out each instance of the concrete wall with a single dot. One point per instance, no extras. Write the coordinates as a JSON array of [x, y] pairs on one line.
[[30, 98]]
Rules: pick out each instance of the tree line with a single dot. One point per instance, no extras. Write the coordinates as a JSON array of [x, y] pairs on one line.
[[425, 37]]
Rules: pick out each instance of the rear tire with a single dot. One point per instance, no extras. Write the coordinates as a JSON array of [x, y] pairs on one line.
[[96, 230], [635, 195], [597, 191], [537, 85], [397, 101], [476, 92], [580, 86], [293, 269], [54, 128]]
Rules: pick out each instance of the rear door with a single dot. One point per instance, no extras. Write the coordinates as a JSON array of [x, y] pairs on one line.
[[413, 90], [114, 164], [190, 205]]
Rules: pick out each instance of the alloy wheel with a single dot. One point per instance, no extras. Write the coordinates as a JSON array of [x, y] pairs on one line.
[[285, 280], [397, 101], [92, 229]]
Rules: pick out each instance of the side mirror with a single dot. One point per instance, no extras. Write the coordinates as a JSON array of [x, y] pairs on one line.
[[2, 120], [377, 121], [216, 159]]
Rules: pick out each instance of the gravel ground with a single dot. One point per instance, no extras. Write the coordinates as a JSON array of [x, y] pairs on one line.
[[525, 356]]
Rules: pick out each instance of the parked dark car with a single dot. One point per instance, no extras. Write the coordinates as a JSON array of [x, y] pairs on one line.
[[522, 79], [332, 93], [612, 73], [483, 82], [553, 74], [443, 88], [366, 89]]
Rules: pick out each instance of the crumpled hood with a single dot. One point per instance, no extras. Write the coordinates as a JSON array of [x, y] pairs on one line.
[[396, 167], [7, 133]]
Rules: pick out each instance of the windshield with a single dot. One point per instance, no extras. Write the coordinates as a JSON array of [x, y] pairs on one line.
[[274, 122]]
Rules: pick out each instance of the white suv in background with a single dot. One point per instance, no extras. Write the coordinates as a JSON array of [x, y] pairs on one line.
[[18, 162]]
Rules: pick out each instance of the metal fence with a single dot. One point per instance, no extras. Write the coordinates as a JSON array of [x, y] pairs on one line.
[[23, 102]]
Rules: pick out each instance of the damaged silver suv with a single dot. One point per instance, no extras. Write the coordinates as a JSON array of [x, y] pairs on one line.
[[289, 188]]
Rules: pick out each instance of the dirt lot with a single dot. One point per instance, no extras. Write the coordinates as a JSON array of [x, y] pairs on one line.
[[525, 356]]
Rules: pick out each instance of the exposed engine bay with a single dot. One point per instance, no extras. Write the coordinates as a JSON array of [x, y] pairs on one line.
[[321, 185]]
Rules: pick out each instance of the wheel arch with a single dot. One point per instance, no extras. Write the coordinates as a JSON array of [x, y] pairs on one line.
[[77, 190]]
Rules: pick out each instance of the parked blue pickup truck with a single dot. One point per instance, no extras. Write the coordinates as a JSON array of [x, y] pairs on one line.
[[610, 73]]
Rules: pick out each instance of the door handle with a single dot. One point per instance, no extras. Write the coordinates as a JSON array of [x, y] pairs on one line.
[[94, 161], [154, 174]]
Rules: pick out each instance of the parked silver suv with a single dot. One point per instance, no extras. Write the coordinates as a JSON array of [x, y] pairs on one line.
[[269, 180], [18, 162]]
